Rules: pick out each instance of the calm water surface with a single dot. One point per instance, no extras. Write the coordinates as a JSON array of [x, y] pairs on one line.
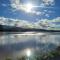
[[16, 45]]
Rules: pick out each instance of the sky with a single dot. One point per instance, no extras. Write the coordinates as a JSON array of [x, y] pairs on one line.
[[47, 10], [30, 10]]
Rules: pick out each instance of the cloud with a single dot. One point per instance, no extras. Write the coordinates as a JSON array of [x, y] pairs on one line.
[[49, 2], [15, 22], [53, 24], [41, 24], [17, 5], [47, 15]]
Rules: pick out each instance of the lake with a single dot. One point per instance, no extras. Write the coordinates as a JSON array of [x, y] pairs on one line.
[[28, 44]]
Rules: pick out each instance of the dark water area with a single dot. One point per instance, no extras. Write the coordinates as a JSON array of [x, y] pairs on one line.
[[28, 44]]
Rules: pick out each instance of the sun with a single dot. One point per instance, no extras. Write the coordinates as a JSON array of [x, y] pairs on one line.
[[29, 7]]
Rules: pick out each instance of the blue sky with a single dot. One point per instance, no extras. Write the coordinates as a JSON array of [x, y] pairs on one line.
[[48, 10]]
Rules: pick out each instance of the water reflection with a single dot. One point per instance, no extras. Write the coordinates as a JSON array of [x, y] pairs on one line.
[[13, 45]]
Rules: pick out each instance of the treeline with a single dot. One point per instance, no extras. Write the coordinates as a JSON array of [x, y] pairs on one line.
[[5, 28]]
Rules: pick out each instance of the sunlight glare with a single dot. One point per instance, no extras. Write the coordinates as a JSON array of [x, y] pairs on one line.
[[28, 53], [29, 7]]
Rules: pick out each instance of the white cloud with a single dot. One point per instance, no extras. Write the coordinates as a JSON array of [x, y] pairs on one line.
[[15, 22], [47, 15], [49, 2], [49, 24], [17, 5], [42, 24]]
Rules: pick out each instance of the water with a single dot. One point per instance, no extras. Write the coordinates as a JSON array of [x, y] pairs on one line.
[[18, 44]]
